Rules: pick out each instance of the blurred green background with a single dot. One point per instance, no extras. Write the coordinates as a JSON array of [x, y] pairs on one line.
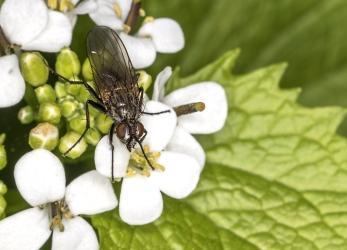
[[310, 35]]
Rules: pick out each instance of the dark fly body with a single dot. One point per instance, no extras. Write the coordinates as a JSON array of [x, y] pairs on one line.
[[117, 93]]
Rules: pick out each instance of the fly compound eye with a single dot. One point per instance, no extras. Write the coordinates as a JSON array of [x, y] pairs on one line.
[[140, 129], [121, 130]]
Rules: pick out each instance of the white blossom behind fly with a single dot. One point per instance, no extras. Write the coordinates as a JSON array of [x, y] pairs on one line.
[[12, 86], [40, 179], [162, 35], [33, 26], [209, 121]]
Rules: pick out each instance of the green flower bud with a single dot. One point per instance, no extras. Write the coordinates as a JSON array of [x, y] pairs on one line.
[[3, 188], [68, 140], [49, 112], [84, 95], [45, 93], [87, 71], [144, 80], [93, 136], [26, 115], [3, 157], [2, 207], [78, 124], [103, 123], [73, 89], [68, 108], [44, 135], [67, 63], [60, 90], [34, 71], [2, 138]]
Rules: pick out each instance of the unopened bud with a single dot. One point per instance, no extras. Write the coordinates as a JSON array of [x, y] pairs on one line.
[[78, 124], [144, 79], [3, 157], [67, 63], [93, 136], [49, 112], [60, 90], [26, 115], [34, 71], [87, 71], [3, 188], [103, 123], [44, 135], [73, 89], [68, 140], [68, 108], [45, 93]]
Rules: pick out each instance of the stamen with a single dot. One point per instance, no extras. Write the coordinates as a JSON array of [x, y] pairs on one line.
[[148, 36], [126, 29], [66, 5], [52, 4], [117, 10], [189, 108], [142, 12], [58, 210], [139, 164], [148, 19]]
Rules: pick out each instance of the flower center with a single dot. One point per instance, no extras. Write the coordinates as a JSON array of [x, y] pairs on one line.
[[139, 164], [64, 5], [57, 210]]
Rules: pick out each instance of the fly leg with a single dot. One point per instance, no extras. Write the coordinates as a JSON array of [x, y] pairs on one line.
[[96, 106], [147, 113], [110, 141], [86, 85]]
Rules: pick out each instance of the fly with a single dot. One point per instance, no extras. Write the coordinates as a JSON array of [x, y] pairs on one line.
[[117, 93]]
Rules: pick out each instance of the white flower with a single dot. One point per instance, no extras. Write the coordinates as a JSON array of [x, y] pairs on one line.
[[208, 121], [72, 8], [140, 199], [31, 25], [12, 86], [40, 179], [162, 35]]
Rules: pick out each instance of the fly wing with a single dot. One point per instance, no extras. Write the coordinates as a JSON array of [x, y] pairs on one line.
[[109, 59]]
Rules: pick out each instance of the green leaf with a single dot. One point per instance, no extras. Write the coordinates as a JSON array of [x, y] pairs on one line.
[[275, 175]]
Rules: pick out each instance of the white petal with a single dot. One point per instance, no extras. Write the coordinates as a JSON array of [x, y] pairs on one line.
[[40, 177], [22, 21], [12, 86], [141, 50], [166, 33], [212, 118], [56, 35], [103, 157], [85, 7], [104, 15], [181, 174], [159, 84], [28, 229], [90, 193], [125, 6], [72, 18], [140, 200], [183, 142], [78, 235], [159, 127]]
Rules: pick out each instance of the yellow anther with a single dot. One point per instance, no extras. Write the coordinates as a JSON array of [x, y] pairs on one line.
[[146, 173], [142, 12], [130, 172], [42, 206], [66, 5], [158, 166], [56, 221], [148, 19], [126, 28], [117, 10], [148, 36], [52, 4], [68, 214]]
